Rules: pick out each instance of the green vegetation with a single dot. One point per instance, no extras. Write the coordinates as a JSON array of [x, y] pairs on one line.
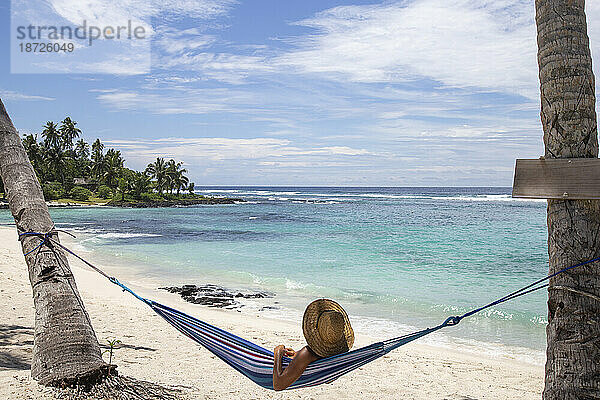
[[112, 344], [104, 192], [80, 193], [53, 190], [70, 169]]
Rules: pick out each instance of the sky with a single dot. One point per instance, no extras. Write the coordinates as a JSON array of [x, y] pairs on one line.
[[301, 93]]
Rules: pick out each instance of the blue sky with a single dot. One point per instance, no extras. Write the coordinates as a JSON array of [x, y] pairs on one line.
[[329, 93]]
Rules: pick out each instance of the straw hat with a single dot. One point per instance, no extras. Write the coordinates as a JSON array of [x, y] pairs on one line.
[[327, 328]]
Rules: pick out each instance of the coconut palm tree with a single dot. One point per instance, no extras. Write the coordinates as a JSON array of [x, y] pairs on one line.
[[126, 182], [141, 184], [98, 160], [51, 135], [180, 181], [57, 161], [65, 347], [97, 149], [35, 152], [191, 187], [82, 149], [570, 131], [114, 164], [30, 144], [171, 172], [82, 160], [158, 170], [175, 176], [68, 132]]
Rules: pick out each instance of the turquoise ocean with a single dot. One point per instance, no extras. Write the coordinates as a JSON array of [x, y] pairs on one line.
[[397, 259]]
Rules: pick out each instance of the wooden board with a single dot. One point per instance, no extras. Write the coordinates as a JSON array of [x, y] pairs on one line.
[[564, 178]]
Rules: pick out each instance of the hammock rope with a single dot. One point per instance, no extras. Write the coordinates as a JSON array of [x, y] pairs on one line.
[[256, 362]]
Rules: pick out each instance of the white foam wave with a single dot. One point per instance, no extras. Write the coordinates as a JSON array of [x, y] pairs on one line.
[[493, 197], [292, 285], [251, 192], [295, 196], [90, 231], [121, 235]]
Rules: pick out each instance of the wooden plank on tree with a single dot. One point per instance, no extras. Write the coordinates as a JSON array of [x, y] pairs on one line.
[[557, 178]]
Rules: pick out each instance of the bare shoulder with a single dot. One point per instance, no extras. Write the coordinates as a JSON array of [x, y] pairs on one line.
[[306, 355]]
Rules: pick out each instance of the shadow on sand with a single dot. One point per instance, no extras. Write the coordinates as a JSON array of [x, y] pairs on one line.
[[16, 344]]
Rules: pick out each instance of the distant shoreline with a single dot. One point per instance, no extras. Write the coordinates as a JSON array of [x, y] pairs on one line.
[[164, 203]]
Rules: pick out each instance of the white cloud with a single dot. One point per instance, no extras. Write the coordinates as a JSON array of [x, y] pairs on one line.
[[190, 50], [174, 101], [460, 43], [218, 149], [477, 44], [223, 67], [15, 96], [305, 164], [111, 12], [171, 41]]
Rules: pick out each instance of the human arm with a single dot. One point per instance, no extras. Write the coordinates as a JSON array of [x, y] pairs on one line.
[[283, 378]]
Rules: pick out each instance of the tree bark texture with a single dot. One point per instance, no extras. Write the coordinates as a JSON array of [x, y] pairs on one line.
[[570, 131], [65, 349]]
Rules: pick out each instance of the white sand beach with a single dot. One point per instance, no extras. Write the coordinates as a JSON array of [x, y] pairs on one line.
[[153, 351]]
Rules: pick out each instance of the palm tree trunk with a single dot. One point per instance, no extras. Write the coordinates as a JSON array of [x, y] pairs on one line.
[[65, 348], [570, 130]]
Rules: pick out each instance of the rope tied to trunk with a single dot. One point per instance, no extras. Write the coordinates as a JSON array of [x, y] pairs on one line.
[[45, 239], [48, 240]]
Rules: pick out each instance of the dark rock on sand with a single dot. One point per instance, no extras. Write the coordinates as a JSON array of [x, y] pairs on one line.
[[215, 296]]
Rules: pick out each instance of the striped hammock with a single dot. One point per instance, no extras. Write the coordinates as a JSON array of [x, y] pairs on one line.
[[256, 362]]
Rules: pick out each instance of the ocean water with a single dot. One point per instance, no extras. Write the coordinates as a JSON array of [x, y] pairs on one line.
[[398, 259]]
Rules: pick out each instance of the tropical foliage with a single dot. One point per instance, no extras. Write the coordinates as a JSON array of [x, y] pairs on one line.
[[67, 166]]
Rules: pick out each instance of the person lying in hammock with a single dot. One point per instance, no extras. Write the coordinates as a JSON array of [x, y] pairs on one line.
[[327, 332]]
